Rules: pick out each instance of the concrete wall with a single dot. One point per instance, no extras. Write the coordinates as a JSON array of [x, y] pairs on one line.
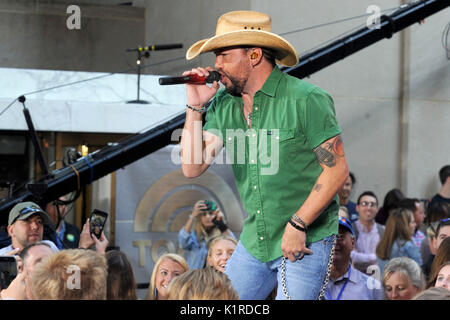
[[427, 106], [34, 35], [174, 21]]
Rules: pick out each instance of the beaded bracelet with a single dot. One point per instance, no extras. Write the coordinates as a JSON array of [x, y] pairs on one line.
[[195, 109], [299, 220], [297, 226]]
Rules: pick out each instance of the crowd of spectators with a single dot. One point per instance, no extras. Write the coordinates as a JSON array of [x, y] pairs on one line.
[[399, 251]]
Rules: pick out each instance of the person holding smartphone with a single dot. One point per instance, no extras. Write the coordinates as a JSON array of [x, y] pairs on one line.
[[92, 234], [205, 223]]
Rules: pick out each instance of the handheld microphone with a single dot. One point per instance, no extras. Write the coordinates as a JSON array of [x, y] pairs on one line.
[[192, 79]]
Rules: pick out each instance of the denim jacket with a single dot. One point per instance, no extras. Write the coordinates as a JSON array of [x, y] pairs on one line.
[[402, 249]]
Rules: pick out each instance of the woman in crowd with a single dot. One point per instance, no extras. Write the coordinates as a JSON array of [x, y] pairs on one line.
[[442, 279], [205, 223], [168, 266], [396, 240], [442, 257], [220, 250], [121, 284], [202, 284], [402, 279]]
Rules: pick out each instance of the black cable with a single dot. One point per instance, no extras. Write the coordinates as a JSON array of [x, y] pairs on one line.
[[4, 110], [332, 22]]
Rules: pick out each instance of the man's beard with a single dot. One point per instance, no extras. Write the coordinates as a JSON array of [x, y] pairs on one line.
[[237, 86]]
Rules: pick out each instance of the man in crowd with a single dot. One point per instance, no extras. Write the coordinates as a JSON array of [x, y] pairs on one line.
[[347, 283], [442, 232], [30, 256], [367, 232], [66, 234], [26, 226], [444, 193]]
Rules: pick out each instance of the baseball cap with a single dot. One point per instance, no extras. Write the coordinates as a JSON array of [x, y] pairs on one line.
[[24, 210], [346, 224]]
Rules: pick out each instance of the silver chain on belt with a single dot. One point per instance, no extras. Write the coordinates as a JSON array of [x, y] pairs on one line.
[[327, 276]]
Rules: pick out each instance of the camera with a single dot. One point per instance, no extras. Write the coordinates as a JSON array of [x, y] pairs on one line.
[[211, 205]]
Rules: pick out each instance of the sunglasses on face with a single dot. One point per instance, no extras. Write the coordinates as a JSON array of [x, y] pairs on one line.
[[442, 222], [27, 210], [369, 204]]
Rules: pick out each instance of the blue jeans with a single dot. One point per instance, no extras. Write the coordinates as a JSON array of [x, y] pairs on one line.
[[255, 280]]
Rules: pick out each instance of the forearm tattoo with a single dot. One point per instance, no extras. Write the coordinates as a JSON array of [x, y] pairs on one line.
[[317, 187], [327, 152]]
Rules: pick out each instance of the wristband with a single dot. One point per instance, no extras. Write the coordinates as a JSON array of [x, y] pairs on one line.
[[195, 109], [297, 226], [220, 224], [299, 220]]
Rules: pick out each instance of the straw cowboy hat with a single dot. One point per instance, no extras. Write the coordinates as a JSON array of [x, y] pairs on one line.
[[252, 28]]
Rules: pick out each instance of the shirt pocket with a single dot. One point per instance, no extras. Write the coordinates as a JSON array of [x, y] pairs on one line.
[[280, 146], [285, 135]]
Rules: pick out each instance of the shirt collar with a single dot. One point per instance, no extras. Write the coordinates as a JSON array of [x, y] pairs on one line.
[[271, 85], [353, 276]]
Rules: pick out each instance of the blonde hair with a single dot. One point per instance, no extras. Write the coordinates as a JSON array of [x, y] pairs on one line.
[[172, 256], [397, 228], [433, 293], [51, 277], [431, 229], [216, 239], [344, 213], [202, 284], [200, 231]]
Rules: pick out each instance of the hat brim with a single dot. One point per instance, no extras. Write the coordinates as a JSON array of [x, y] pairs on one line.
[[285, 53], [348, 228]]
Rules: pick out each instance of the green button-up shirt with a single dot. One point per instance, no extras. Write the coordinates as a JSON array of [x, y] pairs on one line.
[[274, 165]]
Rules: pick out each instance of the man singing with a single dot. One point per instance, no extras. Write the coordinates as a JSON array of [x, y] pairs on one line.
[[293, 157]]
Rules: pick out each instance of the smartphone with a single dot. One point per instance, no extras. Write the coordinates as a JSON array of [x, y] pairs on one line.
[[8, 270], [97, 221]]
